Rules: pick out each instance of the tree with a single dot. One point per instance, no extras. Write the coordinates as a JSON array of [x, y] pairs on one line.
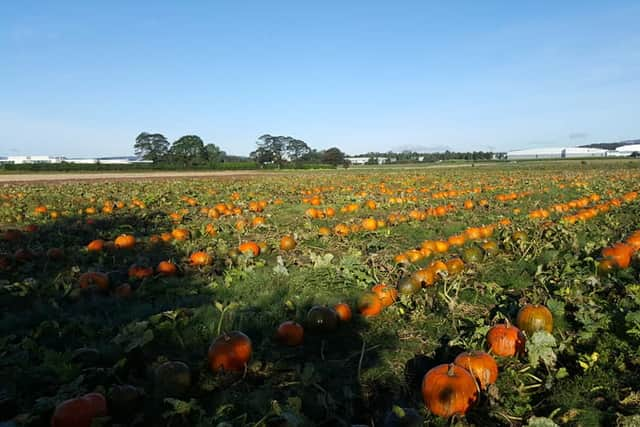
[[188, 150], [270, 150], [296, 149], [333, 156], [313, 156], [214, 153], [151, 146]]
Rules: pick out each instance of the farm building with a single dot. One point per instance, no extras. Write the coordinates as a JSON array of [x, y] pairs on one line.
[[18, 160], [31, 159], [557, 153], [362, 160], [628, 149]]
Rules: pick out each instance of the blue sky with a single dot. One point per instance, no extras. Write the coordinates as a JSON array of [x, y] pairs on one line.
[[84, 78]]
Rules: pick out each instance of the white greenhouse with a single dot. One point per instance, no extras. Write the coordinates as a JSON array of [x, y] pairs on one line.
[[558, 153]]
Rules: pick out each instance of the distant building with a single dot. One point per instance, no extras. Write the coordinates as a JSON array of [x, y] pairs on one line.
[[17, 160], [559, 153], [20, 160], [363, 160], [628, 149]]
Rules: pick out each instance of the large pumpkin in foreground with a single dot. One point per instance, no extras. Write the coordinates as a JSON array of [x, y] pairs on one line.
[[448, 390], [481, 365], [230, 352], [79, 412]]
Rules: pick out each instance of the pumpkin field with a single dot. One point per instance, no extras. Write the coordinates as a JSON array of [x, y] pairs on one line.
[[500, 295]]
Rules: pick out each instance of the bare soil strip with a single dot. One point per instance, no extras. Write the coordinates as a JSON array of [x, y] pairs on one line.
[[62, 178]]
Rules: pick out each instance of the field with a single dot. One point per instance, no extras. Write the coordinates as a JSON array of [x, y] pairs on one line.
[[167, 297]]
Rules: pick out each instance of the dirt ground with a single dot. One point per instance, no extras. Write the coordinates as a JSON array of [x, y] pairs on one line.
[[62, 178]]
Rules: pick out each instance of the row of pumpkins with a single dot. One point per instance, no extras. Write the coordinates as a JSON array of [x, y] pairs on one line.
[[447, 389]]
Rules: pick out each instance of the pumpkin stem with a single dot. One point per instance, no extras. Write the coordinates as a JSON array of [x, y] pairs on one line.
[[451, 372]]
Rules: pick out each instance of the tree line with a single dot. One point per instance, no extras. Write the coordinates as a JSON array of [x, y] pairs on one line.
[[416, 157], [190, 150], [277, 151], [283, 150]]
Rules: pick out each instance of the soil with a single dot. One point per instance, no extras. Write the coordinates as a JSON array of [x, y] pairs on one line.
[[62, 178]]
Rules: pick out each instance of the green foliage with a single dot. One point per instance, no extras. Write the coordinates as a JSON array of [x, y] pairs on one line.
[[59, 341], [540, 348], [540, 422]]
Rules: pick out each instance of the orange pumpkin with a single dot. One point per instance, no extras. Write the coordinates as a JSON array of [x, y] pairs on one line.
[[258, 221], [506, 340], [125, 241], [180, 234], [79, 412], [438, 266], [634, 241], [324, 231], [533, 317], [343, 311], [490, 247], [369, 224], [481, 365], [385, 293], [210, 229], [140, 272], [341, 229], [619, 254], [290, 333], [449, 390], [455, 266], [230, 352], [369, 305], [441, 246], [40, 209], [456, 240], [89, 279], [424, 277], [287, 243], [95, 245], [250, 247], [166, 268], [200, 258]]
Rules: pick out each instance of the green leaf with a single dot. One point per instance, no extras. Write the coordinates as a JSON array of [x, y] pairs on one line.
[[540, 347], [633, 323], [541, 422], [562, 373], [556, 307], [295, 403], [320, 261], [280, 269]]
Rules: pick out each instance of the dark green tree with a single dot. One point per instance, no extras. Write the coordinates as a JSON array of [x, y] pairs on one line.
[[270, 149], [333, 156], [296, 149], [188, 150], [214, 153], [151, 146]]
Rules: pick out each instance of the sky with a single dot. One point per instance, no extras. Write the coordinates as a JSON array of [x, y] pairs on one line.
[[82, 78]]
